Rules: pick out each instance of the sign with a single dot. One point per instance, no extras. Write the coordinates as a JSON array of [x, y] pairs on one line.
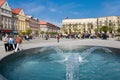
[[6, 31]]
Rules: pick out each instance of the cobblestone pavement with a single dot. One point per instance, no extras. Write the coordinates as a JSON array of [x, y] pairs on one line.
[[63, 42]]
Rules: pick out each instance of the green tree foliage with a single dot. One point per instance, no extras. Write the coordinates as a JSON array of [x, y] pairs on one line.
[[54, 33], [118, 30], [104, 29], [118, 34], [42, 32], [23, 33], [28, 31]]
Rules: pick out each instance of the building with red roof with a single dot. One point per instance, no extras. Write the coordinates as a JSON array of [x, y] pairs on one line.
[[48, 27], [2, 2], [21, 19], [16, 10], [5, 17]]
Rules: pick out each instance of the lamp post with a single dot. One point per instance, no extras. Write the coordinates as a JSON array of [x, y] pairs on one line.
[[1, 26]]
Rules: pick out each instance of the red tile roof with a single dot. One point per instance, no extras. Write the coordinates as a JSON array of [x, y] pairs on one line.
[[2, 2], [17, 10], [43, 22]]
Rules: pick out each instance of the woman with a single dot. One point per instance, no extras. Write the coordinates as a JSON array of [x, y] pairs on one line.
[[19, 42]]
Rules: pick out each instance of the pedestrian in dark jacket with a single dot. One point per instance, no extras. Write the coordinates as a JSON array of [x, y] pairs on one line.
[[6, 43]]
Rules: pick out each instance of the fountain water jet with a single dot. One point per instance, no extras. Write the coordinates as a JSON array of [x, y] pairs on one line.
[[72, 67]]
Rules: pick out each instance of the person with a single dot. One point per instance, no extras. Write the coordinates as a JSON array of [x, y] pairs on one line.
[[6, 43], [11, 43], [19, 42], [46, 37], [58, 37], [27, 38]]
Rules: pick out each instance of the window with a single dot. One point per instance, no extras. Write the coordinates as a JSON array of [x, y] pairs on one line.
[[110, 21]]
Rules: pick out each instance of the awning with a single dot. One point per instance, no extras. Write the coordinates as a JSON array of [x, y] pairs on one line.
[[7, 31]]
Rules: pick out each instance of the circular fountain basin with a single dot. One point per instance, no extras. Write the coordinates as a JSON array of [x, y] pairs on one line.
[[57, 63]]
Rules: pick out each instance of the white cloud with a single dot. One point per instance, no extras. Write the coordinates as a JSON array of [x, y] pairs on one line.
[[36, 9], [31, 8]]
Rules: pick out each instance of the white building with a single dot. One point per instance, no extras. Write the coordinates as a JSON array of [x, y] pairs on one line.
[[89, 24], [5, 17]]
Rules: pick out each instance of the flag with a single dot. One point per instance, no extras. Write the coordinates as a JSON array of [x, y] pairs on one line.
[[66, 17]]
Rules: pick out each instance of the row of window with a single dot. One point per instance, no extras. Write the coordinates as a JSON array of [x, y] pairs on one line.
[[6, 11]]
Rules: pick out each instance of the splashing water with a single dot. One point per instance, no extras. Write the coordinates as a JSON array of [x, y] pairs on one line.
[[89, 51], [72, 67], [58, 50]]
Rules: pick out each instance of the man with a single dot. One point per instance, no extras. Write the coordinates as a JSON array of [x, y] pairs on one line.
[[11, 43], [19, 41], [58, 37], [6, 43]]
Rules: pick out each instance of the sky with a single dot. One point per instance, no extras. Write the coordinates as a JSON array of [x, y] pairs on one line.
[[54, 11]]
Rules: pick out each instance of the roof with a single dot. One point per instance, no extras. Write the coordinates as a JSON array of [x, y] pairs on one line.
[[43, 22], [2, 2], [17, 10]]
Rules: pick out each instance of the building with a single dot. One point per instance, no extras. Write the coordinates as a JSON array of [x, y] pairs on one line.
[[27, 22], [34, 25], [14, 22], [5, 18], [21, 19], [112, 22], [48, 27], [90, 24]]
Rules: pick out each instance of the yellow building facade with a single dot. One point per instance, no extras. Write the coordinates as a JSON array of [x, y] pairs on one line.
[[21, 19]]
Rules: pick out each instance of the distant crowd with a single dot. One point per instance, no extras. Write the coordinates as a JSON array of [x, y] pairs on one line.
[[88, 35]]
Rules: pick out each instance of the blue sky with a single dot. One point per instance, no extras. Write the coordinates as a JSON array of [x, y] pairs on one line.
[[55, 11]]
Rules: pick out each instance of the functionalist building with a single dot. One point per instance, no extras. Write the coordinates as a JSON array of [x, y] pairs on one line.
[[90, 25]]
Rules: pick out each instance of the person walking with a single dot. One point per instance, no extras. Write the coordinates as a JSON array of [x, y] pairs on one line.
[[6, 43], [19, 42], [58, 37]]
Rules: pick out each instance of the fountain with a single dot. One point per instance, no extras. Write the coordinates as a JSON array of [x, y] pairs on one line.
[[56, 63], [72, 67]]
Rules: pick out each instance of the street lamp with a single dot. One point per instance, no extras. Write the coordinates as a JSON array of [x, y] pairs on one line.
[[1, 26]]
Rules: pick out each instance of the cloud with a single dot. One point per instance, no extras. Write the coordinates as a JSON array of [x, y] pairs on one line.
[[35, 9], [32, 8]]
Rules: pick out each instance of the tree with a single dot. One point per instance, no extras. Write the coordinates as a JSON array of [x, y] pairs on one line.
[[118, 34], [104, 29], [42, 32], [23, 33], [28, 31], [36, 33], [118, 30]]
